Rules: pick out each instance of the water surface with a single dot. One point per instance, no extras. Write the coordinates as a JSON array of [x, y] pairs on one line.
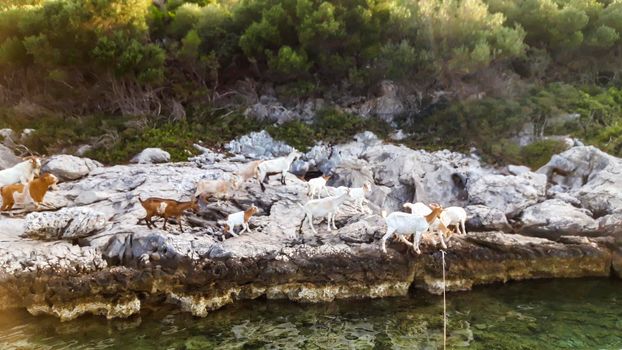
[[545, 314]]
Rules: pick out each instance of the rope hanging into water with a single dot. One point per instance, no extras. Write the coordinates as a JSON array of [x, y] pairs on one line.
[[444, 305]]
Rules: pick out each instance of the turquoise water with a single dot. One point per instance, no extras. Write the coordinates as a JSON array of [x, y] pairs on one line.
[[546, 314]]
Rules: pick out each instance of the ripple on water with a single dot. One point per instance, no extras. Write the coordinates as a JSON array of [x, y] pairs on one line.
[[547, 314]]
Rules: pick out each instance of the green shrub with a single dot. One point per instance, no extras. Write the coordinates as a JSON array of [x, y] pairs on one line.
[[539, 153]]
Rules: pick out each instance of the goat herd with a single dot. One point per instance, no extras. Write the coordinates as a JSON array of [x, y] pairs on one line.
[[22, 184]]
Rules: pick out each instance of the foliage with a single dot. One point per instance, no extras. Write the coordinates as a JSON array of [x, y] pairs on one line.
[[540, 152]]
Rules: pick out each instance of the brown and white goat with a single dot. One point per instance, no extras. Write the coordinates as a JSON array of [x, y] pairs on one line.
[[35, 190], [166, 208], [400, 224], [22, 172], [239, 218]]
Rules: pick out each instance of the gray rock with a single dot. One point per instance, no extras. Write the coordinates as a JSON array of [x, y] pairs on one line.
[[83, 149], [611, 225], [151, 156], [510, 194], [67, 223], [7, 157], [561, 192], [207, 156], [258, 145], [518, 169], [387, 106], [591, 176], [554, 218], [482, 218], [67, 167]]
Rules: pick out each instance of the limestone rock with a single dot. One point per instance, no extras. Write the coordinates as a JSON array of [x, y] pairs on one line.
[[611, 225], [553, 218], [67, 223], [483, 218], [151, 156], [7, 157], [592, 176], [510, 194], [258, 145], [67, 167]]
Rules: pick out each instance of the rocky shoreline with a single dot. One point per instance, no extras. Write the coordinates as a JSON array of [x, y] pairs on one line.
[[91, 256]]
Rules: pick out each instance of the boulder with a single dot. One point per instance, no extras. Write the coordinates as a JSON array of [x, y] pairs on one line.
[[151, 156], [67, 167], [483, 218], [7, 157], [611, 225], [554, 218], [590, 175], [258, 145], [387, 105], [518, 169], [510, 194], [67, 223]]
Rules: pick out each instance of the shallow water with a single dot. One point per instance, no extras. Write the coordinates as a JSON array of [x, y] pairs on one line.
[[546, 314]]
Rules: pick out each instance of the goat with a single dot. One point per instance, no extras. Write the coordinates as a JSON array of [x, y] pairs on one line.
[[454, 216], [401, 224], [358, 195], [249, 171], [316, 185], [217, 188], [275, 166], [324, 207], [418, 208], [22, 172], [35, 190], [166, 208], [239, 218]]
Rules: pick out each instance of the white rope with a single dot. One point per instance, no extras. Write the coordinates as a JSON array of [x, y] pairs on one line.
[[444, 305]]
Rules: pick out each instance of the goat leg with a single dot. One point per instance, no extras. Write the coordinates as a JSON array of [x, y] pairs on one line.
[[310, 221], [180, 227]]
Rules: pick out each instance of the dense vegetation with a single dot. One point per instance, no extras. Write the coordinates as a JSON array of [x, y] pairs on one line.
[[131, 73]]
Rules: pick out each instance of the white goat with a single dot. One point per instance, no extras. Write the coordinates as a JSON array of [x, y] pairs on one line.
[[275, 166], [248, 171], [22, 172], [324, 207], [418, 208], [316, 185], [454, 216], [216, 188], [401, 224], [240, 218], [358, 195]]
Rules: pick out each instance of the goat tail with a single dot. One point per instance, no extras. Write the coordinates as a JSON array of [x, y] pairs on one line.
[[384, 213]]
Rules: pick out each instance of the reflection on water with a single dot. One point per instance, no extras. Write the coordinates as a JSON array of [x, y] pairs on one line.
[[551, 314]]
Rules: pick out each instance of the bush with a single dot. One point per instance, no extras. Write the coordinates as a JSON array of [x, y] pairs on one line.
[[539, 153]]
